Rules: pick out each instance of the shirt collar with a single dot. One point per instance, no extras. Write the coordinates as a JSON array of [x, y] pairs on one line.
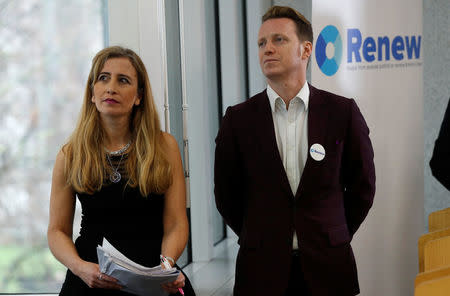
[[303, 95]]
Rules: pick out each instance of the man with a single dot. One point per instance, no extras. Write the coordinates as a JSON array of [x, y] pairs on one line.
[[294, 173], [440, 160]]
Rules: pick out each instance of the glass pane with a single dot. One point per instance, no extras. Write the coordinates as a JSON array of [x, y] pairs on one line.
[[212, 39], [175, 90], [45, 52]]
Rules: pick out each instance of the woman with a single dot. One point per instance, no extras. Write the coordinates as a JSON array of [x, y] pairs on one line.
[[127, 175]]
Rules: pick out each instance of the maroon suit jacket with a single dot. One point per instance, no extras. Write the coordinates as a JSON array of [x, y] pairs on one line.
[[334, 195]]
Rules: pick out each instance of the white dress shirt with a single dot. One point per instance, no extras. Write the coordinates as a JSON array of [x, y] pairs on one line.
[[291, 131]]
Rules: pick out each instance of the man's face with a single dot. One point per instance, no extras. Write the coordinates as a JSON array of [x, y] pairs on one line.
[[280, 50]]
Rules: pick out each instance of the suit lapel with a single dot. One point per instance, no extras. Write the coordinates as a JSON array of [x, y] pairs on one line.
[[317, 120], [268, 142]]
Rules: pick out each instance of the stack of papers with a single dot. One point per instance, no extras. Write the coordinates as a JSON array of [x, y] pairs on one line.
[[134, 278]]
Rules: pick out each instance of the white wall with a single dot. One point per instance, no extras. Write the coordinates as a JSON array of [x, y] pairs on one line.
[[139, 25]]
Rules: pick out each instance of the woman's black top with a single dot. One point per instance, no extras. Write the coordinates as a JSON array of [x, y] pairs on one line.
[[132, 223]]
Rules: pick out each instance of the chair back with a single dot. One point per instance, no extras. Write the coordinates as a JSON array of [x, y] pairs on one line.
[[437, 253], [430, 275], [436, 287], [439, 220], [423, 239]]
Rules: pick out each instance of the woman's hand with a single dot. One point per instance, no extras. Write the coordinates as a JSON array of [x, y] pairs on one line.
[[172, 287], [90, 274]]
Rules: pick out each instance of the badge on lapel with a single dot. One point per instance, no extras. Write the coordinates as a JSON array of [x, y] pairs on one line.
[[317, 152]]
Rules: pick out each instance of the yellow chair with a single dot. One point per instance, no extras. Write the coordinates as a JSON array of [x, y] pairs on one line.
[[437, 253], [439, 220], [431, 275], [424, 238], [435, 287]]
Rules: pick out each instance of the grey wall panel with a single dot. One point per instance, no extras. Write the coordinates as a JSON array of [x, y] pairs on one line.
[[436, 44]]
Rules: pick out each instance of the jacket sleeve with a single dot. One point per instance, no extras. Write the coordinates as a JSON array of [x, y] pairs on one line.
[[228, 175], [440, 161], [358, 170]]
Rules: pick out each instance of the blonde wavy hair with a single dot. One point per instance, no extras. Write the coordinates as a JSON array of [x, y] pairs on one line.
[[147, 165]]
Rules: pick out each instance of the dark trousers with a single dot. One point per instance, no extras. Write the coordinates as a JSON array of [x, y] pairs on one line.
[[297, 285]]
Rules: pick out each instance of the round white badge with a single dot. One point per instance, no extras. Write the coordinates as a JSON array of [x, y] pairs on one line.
[[317, 152]]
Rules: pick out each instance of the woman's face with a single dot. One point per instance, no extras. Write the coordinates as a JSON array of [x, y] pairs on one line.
[[116, 88]]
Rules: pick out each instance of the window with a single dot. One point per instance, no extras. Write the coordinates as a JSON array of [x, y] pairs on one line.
[[46, 48]]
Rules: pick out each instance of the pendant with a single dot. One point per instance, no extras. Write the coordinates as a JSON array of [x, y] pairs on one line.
[[115, 177]]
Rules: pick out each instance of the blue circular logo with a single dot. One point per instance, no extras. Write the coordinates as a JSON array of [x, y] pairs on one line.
[[329, 66]]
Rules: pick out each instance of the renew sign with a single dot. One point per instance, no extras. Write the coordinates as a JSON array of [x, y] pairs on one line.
[[381, 48]]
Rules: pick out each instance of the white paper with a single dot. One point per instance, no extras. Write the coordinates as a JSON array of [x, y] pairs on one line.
[[135, 278]]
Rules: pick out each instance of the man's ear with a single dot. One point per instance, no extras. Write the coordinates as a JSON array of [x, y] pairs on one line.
[[307, 45]]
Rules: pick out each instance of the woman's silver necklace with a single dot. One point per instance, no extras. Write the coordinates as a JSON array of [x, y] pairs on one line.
[[115, 175], [120, 151]]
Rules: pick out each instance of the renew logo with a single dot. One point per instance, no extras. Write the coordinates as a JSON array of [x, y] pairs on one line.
[[370, 47], [329, 37], [360, 49]]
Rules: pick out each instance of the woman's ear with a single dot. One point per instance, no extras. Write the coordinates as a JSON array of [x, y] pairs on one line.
[[137, 101], [139, 96]]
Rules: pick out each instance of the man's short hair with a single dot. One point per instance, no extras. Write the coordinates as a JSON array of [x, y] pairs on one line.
[[304, 28]]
